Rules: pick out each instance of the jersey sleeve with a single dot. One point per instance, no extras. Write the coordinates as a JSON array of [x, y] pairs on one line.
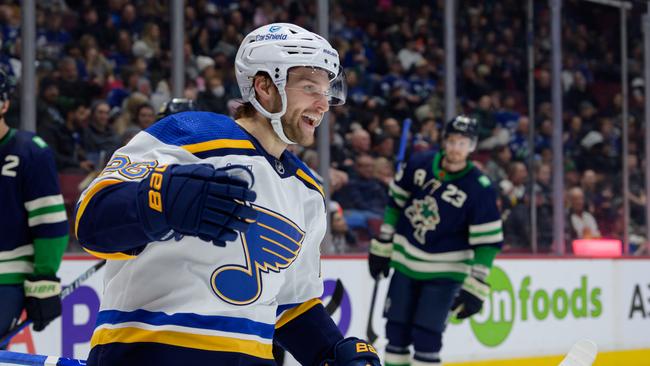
[[106, 219], [485, 226], [399, 191], [47, 219]]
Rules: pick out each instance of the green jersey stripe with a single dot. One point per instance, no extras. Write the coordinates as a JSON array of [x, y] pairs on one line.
[[402, 244], [485, 233], [430, 267], [46, 210]]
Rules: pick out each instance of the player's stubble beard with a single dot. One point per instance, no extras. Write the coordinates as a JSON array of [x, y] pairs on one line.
[[292, 129]]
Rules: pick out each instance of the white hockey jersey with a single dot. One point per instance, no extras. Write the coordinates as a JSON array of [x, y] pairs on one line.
[[190, 293]]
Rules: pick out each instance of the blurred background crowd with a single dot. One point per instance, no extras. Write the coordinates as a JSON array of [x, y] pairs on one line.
[[104, 71]]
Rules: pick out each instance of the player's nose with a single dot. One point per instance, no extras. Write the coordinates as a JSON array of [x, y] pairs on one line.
[[322, 104]]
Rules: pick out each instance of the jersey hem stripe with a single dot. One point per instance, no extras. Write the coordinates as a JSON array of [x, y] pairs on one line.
[[203, 342]]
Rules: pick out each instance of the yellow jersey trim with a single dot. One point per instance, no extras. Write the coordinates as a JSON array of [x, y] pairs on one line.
[[218, 144], [93, 191], [304, 176], [118, 256], [291, 314], [187, 340]]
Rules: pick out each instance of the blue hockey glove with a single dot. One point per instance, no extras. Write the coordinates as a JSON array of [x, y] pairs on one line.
[[42, 301], [381, 249], [472, 295], [353, 352], [197, 200]]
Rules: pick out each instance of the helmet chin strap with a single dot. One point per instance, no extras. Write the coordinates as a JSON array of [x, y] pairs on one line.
[[275, 118]]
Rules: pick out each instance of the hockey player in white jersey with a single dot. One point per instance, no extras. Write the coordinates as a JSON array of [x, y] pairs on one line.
[[212, 228]]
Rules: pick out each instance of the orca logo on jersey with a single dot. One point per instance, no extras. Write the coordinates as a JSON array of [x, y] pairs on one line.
[[271, 244]]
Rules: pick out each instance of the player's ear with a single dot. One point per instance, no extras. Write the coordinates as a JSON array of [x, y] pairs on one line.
[[4, 107], [266, 92], [264, 87]]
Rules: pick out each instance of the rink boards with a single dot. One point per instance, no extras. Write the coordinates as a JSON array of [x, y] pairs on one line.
[[537, 310]]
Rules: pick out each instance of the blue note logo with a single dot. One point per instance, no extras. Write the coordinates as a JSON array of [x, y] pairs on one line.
[[271, 244], [274, 28]]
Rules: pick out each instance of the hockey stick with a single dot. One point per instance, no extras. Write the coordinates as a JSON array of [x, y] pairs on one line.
[[371, 336], [335, 300], [16, 358], [583, 353], [64, 293]]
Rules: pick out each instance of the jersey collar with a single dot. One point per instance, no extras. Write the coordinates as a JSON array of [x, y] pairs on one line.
[[445, 176], [7, 136]]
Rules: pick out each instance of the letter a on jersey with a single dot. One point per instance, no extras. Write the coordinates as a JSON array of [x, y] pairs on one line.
[[272, 244]]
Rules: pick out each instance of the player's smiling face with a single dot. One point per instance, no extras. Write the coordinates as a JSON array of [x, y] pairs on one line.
[[306, 103]]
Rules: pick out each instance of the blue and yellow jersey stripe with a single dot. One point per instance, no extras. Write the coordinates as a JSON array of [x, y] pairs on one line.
[[203, 332]]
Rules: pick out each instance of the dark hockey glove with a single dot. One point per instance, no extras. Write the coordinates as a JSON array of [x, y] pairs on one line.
[[472, 295], [197, 200], [353, 352], [381, 249], [42, 301]]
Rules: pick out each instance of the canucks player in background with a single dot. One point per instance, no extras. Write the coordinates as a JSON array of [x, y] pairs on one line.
[[212, 228], [33, 225], [441, 232]]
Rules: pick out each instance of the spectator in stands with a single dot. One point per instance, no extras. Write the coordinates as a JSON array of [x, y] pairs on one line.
[[582, 223], [343, 240], [515, 202], [66, 141], [544, 202], [519, 139], [100, 141], [47, 110], [496, 167], [364, 197], [213, 98], [490, 134]]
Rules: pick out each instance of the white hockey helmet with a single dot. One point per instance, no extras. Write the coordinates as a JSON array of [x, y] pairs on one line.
[[276, 48]]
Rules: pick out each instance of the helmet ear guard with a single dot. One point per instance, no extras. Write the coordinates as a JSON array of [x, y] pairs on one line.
[[276, 48]]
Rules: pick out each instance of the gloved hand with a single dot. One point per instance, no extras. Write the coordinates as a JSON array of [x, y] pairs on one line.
[[353, 352], [197, 200], [42, 301], [472, 295], [381, 249]]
